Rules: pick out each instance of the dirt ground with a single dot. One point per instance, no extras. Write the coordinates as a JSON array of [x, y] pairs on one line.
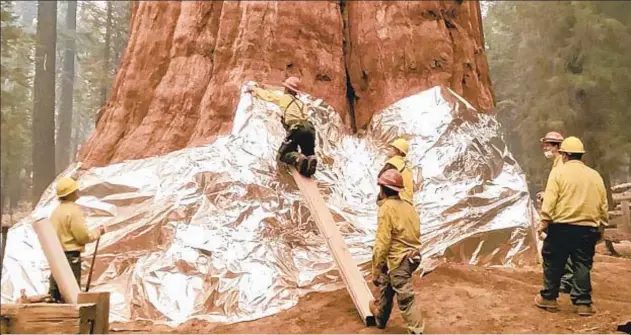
[[455, 298]]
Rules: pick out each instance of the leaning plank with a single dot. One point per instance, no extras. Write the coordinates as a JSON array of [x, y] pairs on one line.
[[47, 318], [59, 266], [353, 279]]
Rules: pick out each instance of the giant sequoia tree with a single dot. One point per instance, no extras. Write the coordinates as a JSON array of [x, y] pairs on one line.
[[179, 78]]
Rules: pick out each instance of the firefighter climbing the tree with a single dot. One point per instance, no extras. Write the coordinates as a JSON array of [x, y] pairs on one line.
[[300, 131], [573, 213], [69, 223], [397, 153], [396, 254], [550, 144]]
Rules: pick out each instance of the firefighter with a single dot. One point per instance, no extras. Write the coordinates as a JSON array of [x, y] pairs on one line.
[[396, 254], [300, 131], [574, 209], [550, 144], [397, 152], [69, 223]]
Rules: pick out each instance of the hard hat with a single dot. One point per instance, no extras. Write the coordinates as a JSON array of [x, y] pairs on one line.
[[391, 179], [292, 83], [66, 186], [572, 145], [401, 144], [552, 137]]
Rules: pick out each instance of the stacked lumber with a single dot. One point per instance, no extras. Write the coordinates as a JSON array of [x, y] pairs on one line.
[[89, 316]]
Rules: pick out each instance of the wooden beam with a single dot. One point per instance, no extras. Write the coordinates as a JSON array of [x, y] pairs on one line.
[[102, 301], [619, 197], [626, 217], [353, 279], [47, 318]]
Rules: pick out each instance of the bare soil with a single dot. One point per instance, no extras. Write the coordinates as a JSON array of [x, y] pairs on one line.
[[455, 298]]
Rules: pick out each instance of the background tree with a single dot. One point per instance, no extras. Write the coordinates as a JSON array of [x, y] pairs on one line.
[[64, 134], [16, 105], [44, 98], [569, 74], [78, 100]]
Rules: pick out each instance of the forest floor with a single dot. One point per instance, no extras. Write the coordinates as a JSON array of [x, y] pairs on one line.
[[455, 298]]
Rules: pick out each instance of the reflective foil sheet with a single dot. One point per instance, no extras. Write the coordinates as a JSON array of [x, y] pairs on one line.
[[220, 233]]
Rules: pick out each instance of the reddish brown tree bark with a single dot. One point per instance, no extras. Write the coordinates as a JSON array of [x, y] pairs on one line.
[[179, 79]]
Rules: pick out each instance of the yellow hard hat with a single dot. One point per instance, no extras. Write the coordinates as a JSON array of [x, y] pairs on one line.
[[401, 144], [66, 186], [572, 145]]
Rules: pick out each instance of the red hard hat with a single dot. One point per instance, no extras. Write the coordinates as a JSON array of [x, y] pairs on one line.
[[552, 137], [391, 179], [292, 83]]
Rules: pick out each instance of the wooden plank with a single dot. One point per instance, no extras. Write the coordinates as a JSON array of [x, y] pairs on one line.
[[34, 326], [64, 311], [619, 197], [353, 279], [102, 302], [57, 261], [47, 318], [626, 217]]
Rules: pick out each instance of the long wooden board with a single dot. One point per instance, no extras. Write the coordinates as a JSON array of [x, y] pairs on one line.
[[47, 318], [57, 261], [353, 279]]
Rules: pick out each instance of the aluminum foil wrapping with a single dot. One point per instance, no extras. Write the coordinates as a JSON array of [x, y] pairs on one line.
[[220, 233]]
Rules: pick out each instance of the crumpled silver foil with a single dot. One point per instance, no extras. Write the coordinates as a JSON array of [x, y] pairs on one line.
[[220, 232]]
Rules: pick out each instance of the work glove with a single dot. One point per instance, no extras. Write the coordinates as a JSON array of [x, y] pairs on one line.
[[601, 231], [250, 88], [541, 229], [376, 282]]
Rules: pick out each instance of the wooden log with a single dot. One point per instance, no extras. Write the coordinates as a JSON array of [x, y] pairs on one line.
[[59, 267], [615, 213], [353, 279], [32, 299], [622, 197], [47, 318], [102, 301]]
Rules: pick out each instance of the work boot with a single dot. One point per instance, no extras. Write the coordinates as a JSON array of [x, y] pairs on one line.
[[302, 165], [312, 164], [374, 311], [585, 310], [548, 305]]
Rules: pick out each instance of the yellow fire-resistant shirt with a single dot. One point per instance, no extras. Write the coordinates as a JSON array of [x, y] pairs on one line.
[[575, 194], [399, 163], [293, 110], [69, 223], [558, 161], [398, 234]]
